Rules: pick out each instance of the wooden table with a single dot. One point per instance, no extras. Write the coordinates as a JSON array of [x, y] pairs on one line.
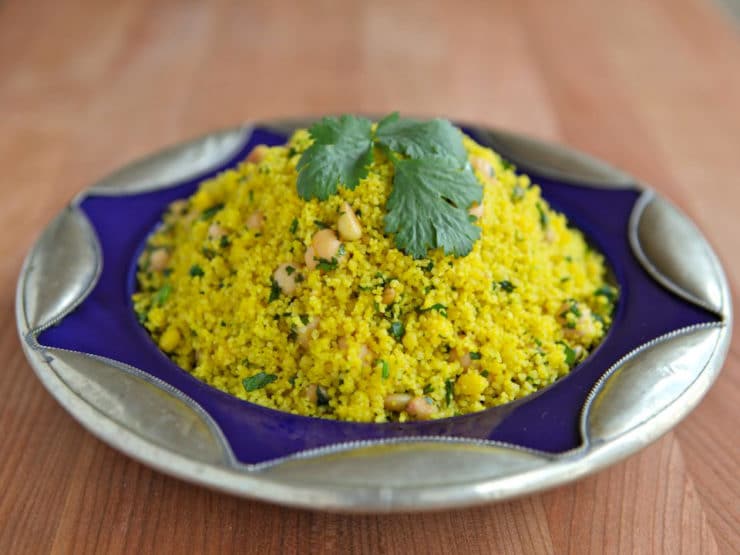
[[86, 86]]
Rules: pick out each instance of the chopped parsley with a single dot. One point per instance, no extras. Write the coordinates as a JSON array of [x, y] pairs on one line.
[[327, 265], [606, 291], [428, 388], [274, 291], [208, 213], [322, 397], [196, 271], [572, 309], [433, 184], [475, 356], [162, 294], [544, 218], [142, 316], [439, 307], [289, 270], [258, 381], [397, 330], [293, 226], [384, 369], [504, 285], [224, 242], [320, 224], [570, 354], [449, 387]]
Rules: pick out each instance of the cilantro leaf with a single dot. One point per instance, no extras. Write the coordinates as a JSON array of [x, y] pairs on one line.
[[435, 138], [258, 381], [341, 153], [428, 207]]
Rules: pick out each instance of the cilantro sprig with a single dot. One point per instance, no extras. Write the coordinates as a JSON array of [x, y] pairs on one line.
[[433, 184]]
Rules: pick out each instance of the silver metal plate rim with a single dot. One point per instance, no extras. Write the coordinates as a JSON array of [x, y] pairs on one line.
[[556, 471]]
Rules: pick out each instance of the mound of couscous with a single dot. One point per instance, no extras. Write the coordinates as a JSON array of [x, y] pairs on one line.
[[311, 307]]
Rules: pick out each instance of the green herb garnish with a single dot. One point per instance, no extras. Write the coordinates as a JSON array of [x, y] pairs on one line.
[[142, 316], [570, 354], [322, 397], [224, 242], [435, 138], [162, 294], [258, 381], [607, 291], [433, 185], [428, 207], [341, 153], [475, 356], [544, 218], [274, 291], [208, 213], [293, 226], [428, 388], [449, 387], [505, 285], [196, 271], [439, 307], [397, 330], [384, 369]]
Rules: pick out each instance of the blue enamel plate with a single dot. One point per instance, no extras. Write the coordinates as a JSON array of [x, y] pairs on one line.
[[670, 335]]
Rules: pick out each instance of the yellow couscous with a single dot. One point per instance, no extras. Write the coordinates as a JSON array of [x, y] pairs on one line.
[[308, 306]]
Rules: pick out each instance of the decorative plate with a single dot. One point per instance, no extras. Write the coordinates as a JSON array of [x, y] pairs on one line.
[[670, 335]]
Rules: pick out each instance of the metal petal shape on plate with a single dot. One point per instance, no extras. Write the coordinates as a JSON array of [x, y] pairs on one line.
[[152, 410], [61, 270], [408, 464], [555, 161], [649, 382], [174, 164], [675, 253]]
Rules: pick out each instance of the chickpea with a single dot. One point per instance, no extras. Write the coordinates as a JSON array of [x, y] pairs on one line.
[[179, 207], [348, 225], [465, 360], [396, 401], [304, 333], [285, 275], [257, 154], [255, 220], [476, 210], [310, 258], [215, 232], [389, 295], [158, 259], [366, 355], [482, 165], [325, 244], [342, 344], [311, 393], [421, 408]]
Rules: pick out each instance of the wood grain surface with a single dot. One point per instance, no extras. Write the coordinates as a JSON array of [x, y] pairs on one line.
[[85, 86]]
